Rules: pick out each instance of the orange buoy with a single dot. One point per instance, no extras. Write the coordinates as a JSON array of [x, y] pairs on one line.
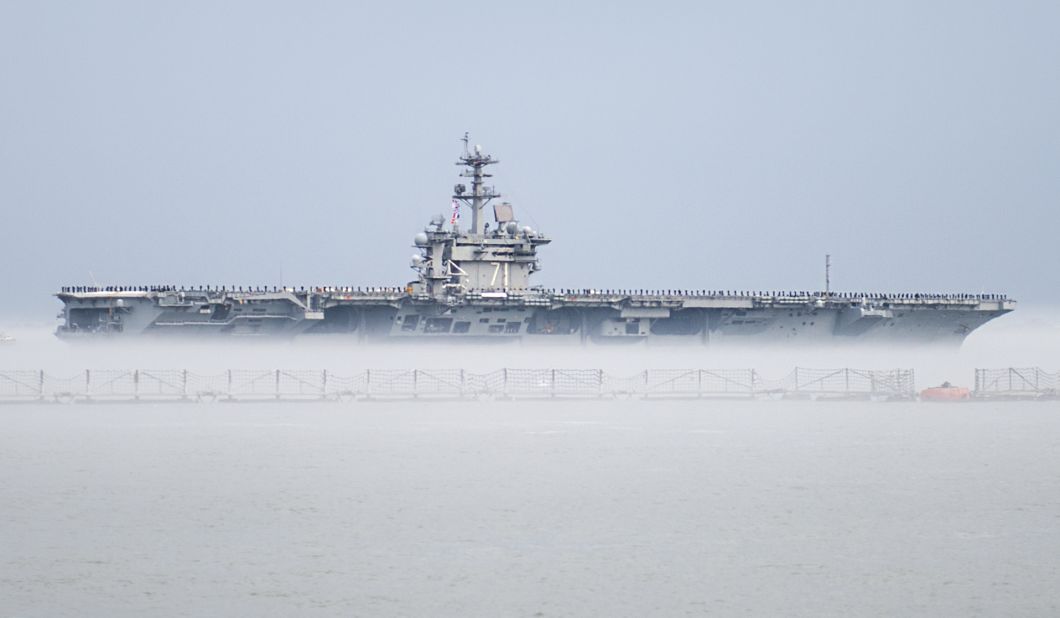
[[946, 392]]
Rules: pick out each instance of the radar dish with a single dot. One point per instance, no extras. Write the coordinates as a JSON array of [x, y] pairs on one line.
[[503, 212]]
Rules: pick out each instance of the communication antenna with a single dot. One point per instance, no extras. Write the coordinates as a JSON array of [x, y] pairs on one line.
[[474, 164], [828, 274]]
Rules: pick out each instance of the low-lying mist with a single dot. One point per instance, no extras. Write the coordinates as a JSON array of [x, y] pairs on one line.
[[1028, 337]]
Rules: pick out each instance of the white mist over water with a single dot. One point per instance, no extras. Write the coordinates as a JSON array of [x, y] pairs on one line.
[[1026, 338]]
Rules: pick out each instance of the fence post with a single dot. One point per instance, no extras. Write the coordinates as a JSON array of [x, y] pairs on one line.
[[229, 389], [324, 384], [553, 388], [88, 383], [415, 383], [184, 383], [277, 383], [40, 385], [699, 383], [136, 384], [600, 382], [754, 381], [368, 382], [846, 379], [462, 384]]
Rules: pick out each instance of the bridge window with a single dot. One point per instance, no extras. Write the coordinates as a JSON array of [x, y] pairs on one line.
[[461, 327], [410, 323]]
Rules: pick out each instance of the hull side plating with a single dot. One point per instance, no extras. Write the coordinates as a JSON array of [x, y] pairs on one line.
[[536, 315]]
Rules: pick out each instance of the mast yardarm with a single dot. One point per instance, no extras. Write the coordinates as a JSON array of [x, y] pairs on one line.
[[475, 163]]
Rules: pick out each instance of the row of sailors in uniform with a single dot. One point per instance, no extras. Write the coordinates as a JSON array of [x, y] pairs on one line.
[[565, 292], [78, 289], [785, 294]]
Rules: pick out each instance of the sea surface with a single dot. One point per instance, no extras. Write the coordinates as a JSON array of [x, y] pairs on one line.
[[601, 508]]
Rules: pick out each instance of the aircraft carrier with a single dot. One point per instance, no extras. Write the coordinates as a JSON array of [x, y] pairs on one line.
[[475, 284]]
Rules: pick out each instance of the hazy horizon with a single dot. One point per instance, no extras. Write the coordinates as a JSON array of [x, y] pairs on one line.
[[677, 145]]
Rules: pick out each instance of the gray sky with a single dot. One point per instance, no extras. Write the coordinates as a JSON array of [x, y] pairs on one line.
[[706, 145]]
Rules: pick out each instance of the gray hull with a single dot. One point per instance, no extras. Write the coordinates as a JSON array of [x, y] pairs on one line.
[[584, 316]]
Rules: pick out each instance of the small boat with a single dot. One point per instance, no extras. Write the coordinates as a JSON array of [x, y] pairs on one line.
[[946, 392]]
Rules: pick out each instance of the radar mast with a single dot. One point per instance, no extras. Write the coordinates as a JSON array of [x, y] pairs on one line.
[[474, 163]]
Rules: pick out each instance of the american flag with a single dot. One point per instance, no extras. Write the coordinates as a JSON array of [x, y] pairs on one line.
[[456, 213]]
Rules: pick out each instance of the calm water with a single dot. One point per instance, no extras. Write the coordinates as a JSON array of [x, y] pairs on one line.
[[530, 509]]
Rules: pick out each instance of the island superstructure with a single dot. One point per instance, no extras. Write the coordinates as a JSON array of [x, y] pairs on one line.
[[475, 284]]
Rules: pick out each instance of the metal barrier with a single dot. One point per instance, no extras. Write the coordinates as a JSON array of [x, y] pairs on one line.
[[1016, 383], [846, 382], [310, 385]]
